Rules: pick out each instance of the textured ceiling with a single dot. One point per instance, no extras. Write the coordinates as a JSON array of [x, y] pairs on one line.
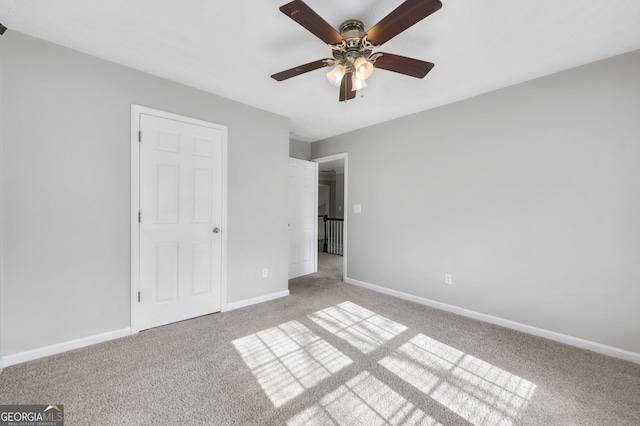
[[231, 48]]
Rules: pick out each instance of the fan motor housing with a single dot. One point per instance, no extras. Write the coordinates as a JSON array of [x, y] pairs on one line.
[[352, 31]]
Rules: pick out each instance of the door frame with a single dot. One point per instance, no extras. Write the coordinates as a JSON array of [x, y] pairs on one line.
[[344, 156], [136, 111]]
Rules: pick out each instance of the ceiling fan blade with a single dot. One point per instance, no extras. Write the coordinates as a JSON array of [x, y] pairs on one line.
[[305, 16], [345, 88], [403, 65], [408, 13], [301, 69]]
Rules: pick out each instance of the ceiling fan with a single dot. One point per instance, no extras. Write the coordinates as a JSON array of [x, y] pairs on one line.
[[352, 47]]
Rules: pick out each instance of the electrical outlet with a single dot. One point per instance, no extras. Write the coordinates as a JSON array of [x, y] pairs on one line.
[[265, 273], [447, 279]]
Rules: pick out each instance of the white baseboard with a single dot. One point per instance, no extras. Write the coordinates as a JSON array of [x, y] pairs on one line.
[[33, 354], [62, 347], [547, 334], [253, 301]]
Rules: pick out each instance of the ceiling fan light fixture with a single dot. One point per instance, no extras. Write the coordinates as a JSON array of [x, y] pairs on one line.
[[363, 68], [357, 84], [335, 75]]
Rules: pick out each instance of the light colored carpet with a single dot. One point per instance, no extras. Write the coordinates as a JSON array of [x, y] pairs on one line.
[[331, 353]]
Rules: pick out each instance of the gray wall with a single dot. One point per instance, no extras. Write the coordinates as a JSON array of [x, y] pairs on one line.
[[299, 149], [332, 195], [66, 186], [529, 196]]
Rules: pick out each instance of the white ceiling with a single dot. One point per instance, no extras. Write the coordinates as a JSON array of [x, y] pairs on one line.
[[230, 48]]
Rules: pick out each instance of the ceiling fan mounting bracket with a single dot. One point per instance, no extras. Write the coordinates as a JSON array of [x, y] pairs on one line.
[[366, 44], [372, 58]]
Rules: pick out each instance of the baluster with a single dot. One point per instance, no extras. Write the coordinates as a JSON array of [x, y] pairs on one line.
[[324, 247], [333, 237]]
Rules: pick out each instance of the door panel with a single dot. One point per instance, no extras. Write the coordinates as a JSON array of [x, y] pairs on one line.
[[167, 193], [202, 201], [202, 267], [165, 279], [180, 205]]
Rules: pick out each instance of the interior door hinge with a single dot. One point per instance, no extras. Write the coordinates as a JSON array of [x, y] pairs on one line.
[[139, 217], [138, 296], [139, 135]]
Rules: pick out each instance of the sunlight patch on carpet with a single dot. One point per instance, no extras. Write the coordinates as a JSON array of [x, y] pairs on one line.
[[477, 391], [288, 359], [360, 327], [363, 400]]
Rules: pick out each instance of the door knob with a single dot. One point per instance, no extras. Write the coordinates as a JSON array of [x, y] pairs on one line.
[[216, 230]]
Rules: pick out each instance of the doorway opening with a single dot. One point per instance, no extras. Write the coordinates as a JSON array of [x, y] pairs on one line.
[[332, 215]]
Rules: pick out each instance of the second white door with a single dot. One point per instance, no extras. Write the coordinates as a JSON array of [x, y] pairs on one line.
[[303, 245]]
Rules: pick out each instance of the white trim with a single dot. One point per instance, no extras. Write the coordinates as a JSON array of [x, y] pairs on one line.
[[341, 156], [345, 214], [254, 300], [316, 180], [63, 347], [547, 334], [136, 110], [135, 208], [224, 233]]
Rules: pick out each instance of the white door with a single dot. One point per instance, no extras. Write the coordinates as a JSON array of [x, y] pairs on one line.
[[303, 184], [180, 220]]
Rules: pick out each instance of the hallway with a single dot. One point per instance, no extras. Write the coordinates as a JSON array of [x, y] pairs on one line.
[[330, 265]]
